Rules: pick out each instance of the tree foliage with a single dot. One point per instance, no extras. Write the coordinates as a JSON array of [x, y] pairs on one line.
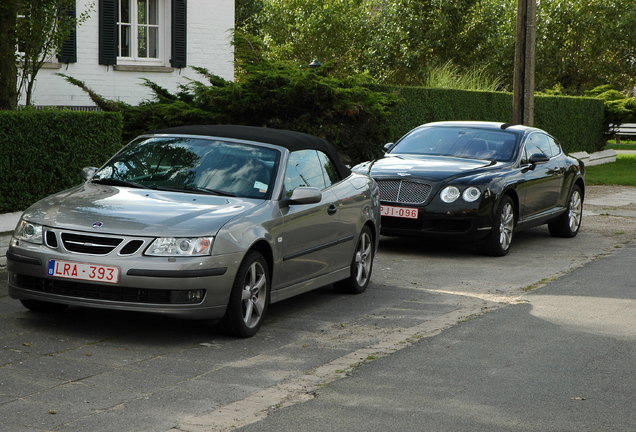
[[580, 43], [270, 94]]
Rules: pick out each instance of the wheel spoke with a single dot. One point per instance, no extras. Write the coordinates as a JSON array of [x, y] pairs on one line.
[[247, 315]]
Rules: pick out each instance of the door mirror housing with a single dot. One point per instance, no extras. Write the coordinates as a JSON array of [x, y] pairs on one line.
[[304, 195], [388, 147], [88, 173], [539, 158]]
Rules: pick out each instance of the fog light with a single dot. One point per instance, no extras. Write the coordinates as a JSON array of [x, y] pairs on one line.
[[187, 296]]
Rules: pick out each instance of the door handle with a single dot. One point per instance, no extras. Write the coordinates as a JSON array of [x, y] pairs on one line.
[[332, 209]]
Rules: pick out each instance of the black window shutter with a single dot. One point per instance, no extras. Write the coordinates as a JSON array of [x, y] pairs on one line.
[[178, 40], [68, 50], [108, 32]]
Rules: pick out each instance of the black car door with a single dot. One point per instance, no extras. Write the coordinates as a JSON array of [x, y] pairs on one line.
[[540, 191]]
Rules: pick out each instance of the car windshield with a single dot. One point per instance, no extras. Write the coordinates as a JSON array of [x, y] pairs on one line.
[[458, 141], [193, 165]]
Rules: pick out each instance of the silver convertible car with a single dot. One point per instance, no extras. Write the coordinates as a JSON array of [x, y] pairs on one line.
[[207, 222]]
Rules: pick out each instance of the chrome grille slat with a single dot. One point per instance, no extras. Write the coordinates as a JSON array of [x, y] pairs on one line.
[[404, 191], [89, 244]]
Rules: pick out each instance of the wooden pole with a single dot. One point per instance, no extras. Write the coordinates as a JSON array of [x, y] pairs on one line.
[[523, 83]]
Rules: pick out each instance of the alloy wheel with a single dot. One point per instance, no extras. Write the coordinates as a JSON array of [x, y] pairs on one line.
[[363, 259], [575, 211], [506, 225], [254, 294]]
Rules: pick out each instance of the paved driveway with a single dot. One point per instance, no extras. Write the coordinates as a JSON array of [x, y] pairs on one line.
[[91, 370]]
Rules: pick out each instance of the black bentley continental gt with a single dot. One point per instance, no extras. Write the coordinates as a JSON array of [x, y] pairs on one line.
[[478, 181]]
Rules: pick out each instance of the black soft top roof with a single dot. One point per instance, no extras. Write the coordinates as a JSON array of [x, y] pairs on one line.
[[290, 140]]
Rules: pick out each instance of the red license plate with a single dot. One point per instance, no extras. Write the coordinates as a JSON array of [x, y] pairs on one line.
[[83, 271], [400, 212]]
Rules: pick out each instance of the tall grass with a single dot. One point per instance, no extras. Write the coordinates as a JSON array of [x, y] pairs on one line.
[[451, 76]]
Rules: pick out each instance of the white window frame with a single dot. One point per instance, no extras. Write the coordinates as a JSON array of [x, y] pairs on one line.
[[163, 11]]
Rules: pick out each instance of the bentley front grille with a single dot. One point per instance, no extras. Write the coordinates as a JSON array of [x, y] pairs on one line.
[[404, 191]]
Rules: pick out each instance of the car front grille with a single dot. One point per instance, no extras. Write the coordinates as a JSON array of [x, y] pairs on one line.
[[404, 191], [95, 245]]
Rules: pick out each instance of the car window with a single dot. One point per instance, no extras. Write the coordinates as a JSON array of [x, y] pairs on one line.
[[538, 143], [329, 169], [555, 148], [305, 168], [189, 164], [459, 141]]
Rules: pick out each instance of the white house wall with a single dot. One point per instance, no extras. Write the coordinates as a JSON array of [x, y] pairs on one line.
[[209, 24]]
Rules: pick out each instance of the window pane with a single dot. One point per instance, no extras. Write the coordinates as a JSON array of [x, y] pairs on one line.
[[142, 12], [124, 11], [142, 43], [153, 16], [153, 42], [124, 41], [303, 169], [331, 175]]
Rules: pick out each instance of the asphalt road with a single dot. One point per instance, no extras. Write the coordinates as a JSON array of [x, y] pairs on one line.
[[94, 370], [560, 360]]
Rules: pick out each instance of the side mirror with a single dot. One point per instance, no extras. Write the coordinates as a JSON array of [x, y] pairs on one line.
[[388, 147], [538, 158], [304, 195], [88, 173]]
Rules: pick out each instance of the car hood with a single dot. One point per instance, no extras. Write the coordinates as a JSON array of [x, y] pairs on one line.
[[143, 212], [431, 168]]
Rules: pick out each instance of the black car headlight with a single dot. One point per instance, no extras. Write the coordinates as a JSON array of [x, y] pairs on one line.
[[451, 194], [29, 232]]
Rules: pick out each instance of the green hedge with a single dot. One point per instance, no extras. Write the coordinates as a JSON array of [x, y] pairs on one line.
[[42, 152], [578, 123]]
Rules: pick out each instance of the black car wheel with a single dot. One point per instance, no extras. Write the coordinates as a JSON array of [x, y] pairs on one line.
[[503, 226], [569, 223], [361, 265], [249, 298], [43, 306]]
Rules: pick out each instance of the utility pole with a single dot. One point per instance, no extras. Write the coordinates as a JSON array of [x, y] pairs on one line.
[[523, 83]]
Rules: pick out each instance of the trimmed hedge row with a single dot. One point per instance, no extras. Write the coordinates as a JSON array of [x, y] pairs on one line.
[[578, 123], [42, 152]]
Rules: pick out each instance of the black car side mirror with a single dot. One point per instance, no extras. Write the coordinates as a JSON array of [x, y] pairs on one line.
[[388, 147], [303, 195], [539, 158]]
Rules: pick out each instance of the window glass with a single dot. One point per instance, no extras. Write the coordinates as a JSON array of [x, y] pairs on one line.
[[555, 148], [538, 143], [304, 169], [139, 30], [331, 174], [197, 165], [460, 141]]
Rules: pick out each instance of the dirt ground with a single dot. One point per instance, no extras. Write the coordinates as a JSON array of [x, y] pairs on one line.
[[611, 211]]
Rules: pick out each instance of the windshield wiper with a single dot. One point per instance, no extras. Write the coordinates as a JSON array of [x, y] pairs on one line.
[[118, 182], [193, 189]]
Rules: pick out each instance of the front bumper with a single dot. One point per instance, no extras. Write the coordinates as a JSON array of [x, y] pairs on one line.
[[442, 221], [147, 284]]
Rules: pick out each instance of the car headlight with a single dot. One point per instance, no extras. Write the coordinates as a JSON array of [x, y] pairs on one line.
[[180, 246], [449, 194], [28, 232], [471, 194]]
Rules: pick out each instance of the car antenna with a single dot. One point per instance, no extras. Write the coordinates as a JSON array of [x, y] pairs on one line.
[[506, 125]]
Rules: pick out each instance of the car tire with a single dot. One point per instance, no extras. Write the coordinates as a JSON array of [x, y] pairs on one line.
[[43, 306], [569, 223], [503, 226], [249, 298], [361, 265]]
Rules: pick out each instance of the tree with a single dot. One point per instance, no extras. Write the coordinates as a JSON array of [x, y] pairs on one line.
[[31, 32], [8, 69]]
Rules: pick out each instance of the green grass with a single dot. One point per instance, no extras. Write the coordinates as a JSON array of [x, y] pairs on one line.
[[621, 172], [624, 145]]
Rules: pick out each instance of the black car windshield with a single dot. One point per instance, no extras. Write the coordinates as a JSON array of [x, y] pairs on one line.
[[193, 165], [459, 141]]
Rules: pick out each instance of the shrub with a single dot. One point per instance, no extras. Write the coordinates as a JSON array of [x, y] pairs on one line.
[[42, 152]]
